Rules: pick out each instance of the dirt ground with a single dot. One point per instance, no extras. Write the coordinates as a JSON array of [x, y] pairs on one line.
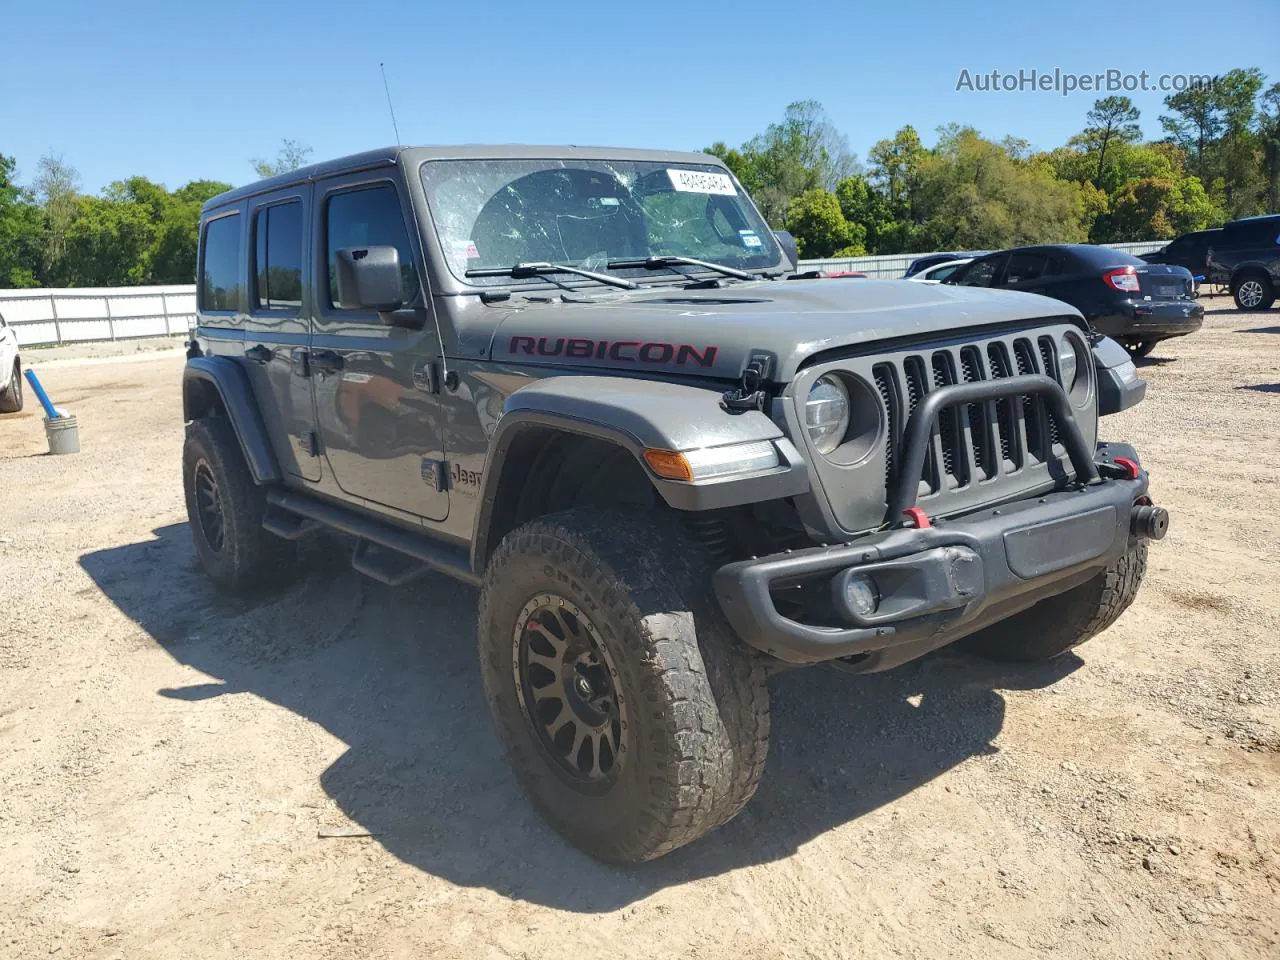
[[169, 758]]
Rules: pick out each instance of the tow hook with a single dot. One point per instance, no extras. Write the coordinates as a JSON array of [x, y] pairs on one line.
[[1148, 522]]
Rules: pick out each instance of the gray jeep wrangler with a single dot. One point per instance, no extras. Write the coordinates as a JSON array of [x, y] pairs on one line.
[[589, 382]]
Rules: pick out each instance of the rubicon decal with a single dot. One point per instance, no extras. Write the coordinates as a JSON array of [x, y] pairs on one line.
[[620, 351]]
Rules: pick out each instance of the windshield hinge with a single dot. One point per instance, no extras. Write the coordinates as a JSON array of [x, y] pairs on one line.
[[750, 394]]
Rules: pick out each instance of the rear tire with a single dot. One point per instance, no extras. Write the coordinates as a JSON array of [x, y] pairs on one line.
[[1253, 292], [1058, 624], [11, 396], [225, 508], [621, 608]]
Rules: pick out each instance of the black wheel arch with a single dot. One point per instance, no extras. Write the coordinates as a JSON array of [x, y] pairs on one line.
[[218, 387]]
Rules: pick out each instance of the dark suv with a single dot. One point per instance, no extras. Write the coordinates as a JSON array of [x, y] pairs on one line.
[[1191, 250], [574, 378], [1137, 303], [1247, 257]]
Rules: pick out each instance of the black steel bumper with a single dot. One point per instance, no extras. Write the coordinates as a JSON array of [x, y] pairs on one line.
[[936, 583]]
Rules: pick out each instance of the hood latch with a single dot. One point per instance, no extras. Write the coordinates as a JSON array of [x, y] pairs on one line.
[[750, 395]]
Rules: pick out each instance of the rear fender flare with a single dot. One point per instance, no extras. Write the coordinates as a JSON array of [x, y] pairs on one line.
[[206, 378]]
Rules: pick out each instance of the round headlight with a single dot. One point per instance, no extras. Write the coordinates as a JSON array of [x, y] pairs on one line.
[[826, 413]]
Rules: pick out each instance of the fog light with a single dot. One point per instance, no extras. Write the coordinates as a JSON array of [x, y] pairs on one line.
[[861, 595]]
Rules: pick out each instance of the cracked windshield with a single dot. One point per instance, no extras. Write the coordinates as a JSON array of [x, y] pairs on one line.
[[498, 213]]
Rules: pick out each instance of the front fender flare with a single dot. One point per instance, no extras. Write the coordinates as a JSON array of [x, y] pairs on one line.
[[227, 380], [638, 415]]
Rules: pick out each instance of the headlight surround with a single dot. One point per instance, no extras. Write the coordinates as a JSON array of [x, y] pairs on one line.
[[826, 413]]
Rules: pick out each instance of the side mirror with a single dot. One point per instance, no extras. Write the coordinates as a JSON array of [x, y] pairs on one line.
[[369, 279], [789, 247]]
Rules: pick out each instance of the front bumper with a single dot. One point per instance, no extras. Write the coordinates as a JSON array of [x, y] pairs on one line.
[[1151, 319], [939, 583]]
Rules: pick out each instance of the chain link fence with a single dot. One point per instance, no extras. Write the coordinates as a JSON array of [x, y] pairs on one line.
[[51, 317]]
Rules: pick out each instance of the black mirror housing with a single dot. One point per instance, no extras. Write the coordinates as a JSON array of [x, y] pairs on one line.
[[789, 247], [369, 279]]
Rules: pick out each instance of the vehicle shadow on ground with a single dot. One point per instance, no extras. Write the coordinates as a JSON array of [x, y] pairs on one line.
[[1261, 387], [393, 675], [1153, 361], [1261, 330]]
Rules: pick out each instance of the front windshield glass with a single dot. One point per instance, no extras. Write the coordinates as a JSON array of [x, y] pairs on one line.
[[586, 213]]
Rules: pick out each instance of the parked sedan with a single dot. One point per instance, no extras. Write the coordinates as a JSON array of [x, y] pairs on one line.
[[940, 272], [1135, 302]]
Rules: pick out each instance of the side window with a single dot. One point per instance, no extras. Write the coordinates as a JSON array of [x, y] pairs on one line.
[[277, 234], [979, 274], [1026, 266], [368, 217], [220, 261]]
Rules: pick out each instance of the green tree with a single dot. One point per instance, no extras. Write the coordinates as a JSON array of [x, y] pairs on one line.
[[173, 257], [1110, 120], [819, 226], [56, 186], [291, 155], [1269, 137], [108, 244], [21, 231]]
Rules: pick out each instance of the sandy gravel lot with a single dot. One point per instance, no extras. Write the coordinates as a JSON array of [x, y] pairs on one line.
[[168, 758]]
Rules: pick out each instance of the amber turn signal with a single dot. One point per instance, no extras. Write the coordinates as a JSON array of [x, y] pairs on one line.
[[668, 464]]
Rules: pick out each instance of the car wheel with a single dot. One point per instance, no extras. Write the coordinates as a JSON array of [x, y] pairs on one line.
[[1253, 292], [225, 508], [1058, 624], [632, 716], [11, 396], [1140, 348]]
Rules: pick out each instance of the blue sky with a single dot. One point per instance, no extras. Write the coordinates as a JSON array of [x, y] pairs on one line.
[[178, 91]]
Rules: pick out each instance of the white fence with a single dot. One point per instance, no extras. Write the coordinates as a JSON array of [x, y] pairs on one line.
[[42, 317], [51, 316]]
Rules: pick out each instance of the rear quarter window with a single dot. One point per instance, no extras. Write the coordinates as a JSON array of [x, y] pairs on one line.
[[221, 261]]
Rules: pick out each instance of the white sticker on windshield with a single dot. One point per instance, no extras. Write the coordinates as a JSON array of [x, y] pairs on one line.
[[700, 181]]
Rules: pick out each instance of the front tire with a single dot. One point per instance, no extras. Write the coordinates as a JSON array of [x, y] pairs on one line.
[[1253, 292], [11, 396], [225, 508], [1058, 624], [631, 715]]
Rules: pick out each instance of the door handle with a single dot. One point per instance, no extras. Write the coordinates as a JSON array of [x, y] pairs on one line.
[[259, 354], [327, 361]]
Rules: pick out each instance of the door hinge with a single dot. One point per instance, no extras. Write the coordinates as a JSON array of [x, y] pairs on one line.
[[435, 473], [426, 377], [313, 443]]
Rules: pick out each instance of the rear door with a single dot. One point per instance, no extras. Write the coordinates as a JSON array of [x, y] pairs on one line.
[[373, 375], [278, 328], [1028, 270]]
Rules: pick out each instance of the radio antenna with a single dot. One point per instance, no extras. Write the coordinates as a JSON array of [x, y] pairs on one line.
[[390, 107]]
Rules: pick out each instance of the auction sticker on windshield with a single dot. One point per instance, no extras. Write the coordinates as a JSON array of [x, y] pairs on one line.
[[700, 181]]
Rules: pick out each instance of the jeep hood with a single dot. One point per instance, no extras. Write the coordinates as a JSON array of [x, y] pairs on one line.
[[714, 332]]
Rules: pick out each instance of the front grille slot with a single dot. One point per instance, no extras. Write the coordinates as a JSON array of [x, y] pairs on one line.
[[974, 443]]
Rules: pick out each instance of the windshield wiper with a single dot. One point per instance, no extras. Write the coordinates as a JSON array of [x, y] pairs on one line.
[[666, 262], [542, 270]]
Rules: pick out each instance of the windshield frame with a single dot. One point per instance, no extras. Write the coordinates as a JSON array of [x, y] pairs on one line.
[[436, 240]]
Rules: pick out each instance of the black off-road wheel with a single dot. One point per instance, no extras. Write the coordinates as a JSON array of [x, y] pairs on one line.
[[1059, 624], [631, 715], [1253, 291], [225, 508], [11, 396]]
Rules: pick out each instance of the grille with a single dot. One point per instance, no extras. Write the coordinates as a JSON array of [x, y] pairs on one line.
[[972, 442]]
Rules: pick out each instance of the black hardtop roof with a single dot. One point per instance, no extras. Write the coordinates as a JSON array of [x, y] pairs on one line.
[[389, 156]]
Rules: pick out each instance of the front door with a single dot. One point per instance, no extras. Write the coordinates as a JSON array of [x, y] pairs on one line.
[[277, 329], [373, 374]]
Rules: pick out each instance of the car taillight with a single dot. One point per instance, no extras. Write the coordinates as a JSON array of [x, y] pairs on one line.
[[1124, 279]]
